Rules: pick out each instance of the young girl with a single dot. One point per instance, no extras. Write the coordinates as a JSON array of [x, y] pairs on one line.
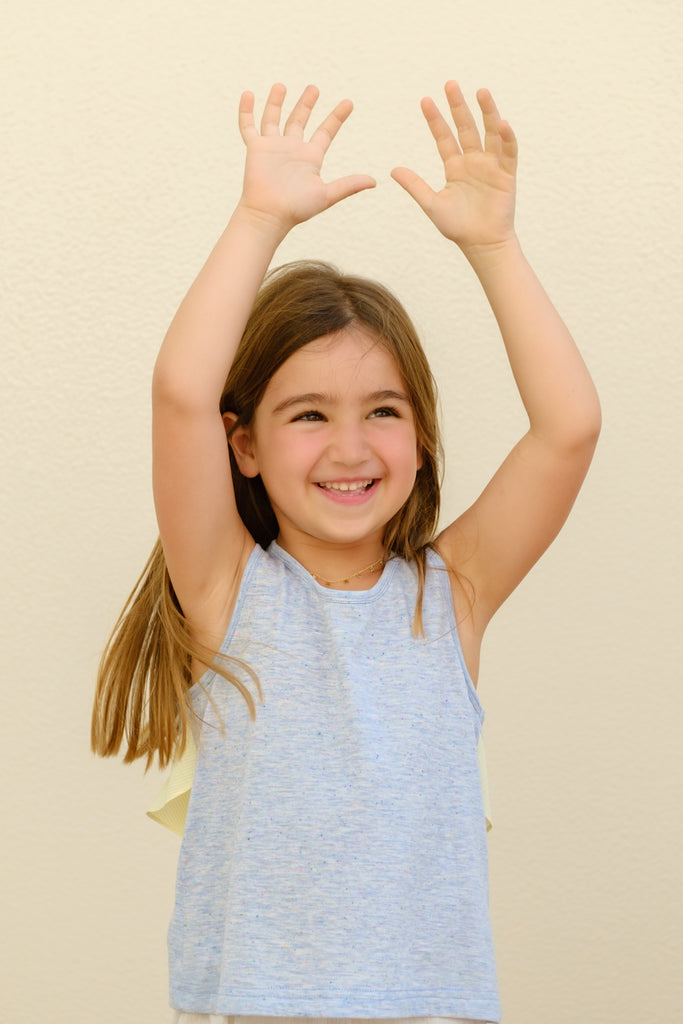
[[300, 619]]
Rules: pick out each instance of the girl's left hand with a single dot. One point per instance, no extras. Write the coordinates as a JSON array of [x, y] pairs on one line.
[[476, 206]]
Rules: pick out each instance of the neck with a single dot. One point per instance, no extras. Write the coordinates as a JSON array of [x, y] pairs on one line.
[[369, 570], [355, 567]]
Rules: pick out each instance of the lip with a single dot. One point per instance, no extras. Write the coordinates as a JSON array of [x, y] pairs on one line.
[[351, 497]]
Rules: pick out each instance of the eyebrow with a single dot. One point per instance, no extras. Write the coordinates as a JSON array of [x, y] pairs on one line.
[[320, 398]]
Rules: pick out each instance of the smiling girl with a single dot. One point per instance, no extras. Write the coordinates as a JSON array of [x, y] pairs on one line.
[[301, 620]]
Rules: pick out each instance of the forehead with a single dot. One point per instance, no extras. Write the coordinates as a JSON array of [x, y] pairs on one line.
[[352, 358]]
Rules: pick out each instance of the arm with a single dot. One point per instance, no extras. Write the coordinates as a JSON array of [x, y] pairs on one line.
[[498, 539], [205, 542]]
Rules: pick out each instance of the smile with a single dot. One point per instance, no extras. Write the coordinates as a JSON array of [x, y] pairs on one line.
[[346, 487]]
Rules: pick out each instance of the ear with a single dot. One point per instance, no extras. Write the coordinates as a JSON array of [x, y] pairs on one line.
[[420, 460], [240, 440]]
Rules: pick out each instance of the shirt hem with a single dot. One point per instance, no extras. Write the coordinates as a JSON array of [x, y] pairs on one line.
[[340, 1004]]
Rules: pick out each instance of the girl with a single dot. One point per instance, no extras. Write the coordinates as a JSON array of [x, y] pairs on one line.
[[300, 618]]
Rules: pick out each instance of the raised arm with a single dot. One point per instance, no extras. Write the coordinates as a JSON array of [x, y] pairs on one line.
[[498, 539], [204, 540]]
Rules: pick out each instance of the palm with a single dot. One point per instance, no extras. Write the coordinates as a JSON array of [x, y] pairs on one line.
[[476, 205], [282, 177], [477, 199]]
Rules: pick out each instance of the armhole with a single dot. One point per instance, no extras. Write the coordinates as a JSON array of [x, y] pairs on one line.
[[484, 777], [173, 799], [439, 565]]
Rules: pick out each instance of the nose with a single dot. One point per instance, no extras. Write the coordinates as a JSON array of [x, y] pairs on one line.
[[348, 445]]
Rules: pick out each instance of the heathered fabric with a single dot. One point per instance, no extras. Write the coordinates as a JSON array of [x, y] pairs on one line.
[[334, 858], [219, 1018]]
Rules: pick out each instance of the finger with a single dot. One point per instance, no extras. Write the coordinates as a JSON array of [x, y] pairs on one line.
[[245, 116], [325, 133], [499, 137], [446, 142], [492, 140], [466, 126], [415, 186], [298, 119], [342, 188], [270, 122], [508, 157]]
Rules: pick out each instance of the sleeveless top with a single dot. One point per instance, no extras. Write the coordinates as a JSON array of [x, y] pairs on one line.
[[334, 857]]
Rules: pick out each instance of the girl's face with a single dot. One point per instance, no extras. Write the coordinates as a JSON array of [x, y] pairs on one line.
[[335, 443]]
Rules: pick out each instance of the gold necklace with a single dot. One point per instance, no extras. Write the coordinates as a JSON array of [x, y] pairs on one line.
[[352, 576]]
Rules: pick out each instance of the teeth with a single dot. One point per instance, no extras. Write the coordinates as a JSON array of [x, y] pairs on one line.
[[360, 485]]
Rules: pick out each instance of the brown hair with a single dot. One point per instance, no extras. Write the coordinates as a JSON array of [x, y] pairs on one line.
[[145, 671]]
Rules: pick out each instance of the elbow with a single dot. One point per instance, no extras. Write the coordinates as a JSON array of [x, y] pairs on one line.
[[574, 434], [584, 419], [176, 388], [589, 423], [592, 421], [166, 385], [583, 431]]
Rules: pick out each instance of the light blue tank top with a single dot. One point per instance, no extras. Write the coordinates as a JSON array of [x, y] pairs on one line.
[[334, 859]]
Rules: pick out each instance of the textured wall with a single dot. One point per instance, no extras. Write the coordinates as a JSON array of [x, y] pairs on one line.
[[120, 163]]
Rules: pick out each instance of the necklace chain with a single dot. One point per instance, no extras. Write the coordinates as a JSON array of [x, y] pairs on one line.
[[352, 576]]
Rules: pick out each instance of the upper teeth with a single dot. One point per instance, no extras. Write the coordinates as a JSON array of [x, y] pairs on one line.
[[358, 485]]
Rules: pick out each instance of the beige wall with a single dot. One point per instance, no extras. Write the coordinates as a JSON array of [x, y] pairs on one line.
[[120, 164]]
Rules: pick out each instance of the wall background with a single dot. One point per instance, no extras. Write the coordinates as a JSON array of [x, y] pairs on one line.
[[121, 161]]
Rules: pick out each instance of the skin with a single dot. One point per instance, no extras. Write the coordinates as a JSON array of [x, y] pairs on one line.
[[497, 540], [334, 441]]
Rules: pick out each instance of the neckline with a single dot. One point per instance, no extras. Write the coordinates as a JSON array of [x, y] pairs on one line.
[[330, 592]]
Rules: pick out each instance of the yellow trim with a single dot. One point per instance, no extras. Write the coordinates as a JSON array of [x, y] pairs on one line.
[[170, 806]]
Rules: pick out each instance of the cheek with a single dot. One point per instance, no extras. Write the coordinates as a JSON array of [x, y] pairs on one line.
[[285, 459], [407, 449]]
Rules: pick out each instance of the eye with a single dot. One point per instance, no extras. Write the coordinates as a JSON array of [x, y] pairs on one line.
[[312, 416], [385, 410]]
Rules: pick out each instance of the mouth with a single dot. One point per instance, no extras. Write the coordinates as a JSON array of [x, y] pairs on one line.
[[346, 487], [348, 492]]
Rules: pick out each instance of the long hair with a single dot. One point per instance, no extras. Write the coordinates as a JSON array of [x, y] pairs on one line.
[[145, 672]]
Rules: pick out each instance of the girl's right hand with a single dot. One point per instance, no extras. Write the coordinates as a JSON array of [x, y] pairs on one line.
[[282, 183]]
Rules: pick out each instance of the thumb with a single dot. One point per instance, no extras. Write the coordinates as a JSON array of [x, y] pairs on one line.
[[414, 185], [342, 188]]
